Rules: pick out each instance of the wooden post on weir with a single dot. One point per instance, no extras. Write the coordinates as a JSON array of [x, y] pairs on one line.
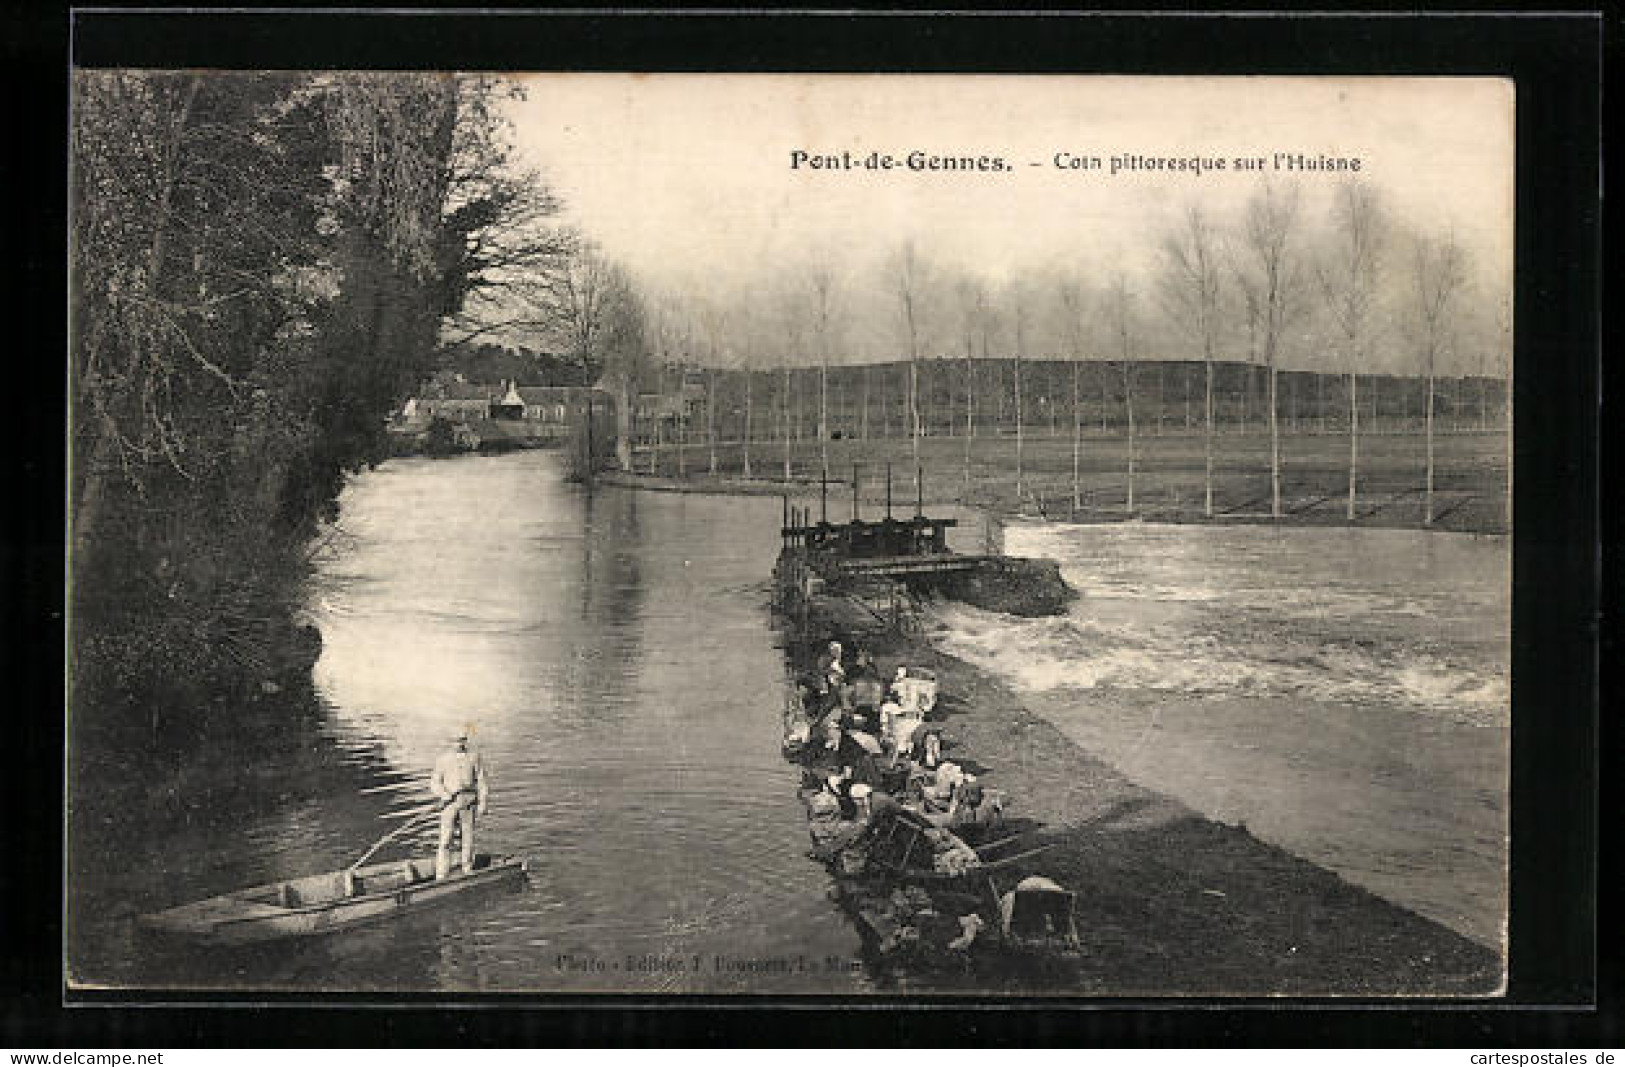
[[919, 492], [823, 497], [888, 490], [854, 492]]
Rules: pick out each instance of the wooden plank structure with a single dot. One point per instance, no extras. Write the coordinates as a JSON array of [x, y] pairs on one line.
[[861, 539], [878, 547]]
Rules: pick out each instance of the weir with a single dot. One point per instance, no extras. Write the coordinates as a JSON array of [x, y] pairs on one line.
[[893, 561]]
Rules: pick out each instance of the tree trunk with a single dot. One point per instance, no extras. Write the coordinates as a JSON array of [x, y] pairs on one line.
[[710, 417], [1162, 399], [1354, 437], [863, 423], [1077, 434], [823, 418], [1016, 397], [970, 426], [1207, 437], [1128, 409], [623, 425], [914, 419], [746, 462], [88, 507], [885, 412], [1275, 447], [1427, 505]]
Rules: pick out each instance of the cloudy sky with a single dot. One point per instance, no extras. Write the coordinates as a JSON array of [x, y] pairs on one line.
[[687, 179], [680, 173]]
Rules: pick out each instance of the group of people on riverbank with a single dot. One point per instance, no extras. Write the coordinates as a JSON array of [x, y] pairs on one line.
[[895, 821], [870, 741]]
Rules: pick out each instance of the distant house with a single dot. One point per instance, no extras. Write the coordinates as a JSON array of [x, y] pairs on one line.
[[486, 415], [551, 409], [649, 407], [510, 405], [457, 401], [670, 407]]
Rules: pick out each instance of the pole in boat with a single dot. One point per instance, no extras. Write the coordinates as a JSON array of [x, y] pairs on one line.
[[854, 492], [433, 810]]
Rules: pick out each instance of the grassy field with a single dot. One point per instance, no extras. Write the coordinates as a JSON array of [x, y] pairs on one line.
[[1469, 485]]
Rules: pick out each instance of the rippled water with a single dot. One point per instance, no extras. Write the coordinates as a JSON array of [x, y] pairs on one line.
[[1342, 692], [1345, 693], [1396, 617], [613, 654]]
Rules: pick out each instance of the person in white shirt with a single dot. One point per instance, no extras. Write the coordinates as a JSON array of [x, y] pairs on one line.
[[459, 783]]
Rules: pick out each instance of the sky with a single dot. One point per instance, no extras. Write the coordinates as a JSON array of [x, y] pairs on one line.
[[688, 180]]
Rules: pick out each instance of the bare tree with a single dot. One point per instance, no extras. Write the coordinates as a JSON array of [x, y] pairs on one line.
[[1268, 272], [625, 355], [974, 309], [666, 332], [1191, 287], [1123, 326], [821, 309], [579, 289], [1440, 271], [501, 236], [1020, 300], [713, 324], [1072, 307], [749, 403], [1348, 282], [908, 276]]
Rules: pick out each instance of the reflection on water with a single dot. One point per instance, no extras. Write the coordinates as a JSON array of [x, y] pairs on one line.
[[613, 654]]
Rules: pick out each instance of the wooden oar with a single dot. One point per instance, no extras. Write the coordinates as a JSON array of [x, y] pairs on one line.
[[402, 828]]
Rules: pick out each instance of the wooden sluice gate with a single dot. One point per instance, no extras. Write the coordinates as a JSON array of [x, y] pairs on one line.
[[884, 566]]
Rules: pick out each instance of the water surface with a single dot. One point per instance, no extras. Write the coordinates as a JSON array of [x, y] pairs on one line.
[[1343, 692], [613, 655]]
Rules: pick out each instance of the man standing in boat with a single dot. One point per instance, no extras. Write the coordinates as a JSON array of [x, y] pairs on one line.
[[458, 782]]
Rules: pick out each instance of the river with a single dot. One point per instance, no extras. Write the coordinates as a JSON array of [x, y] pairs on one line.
[[1342, 692], [1345, 693], [614, 657]]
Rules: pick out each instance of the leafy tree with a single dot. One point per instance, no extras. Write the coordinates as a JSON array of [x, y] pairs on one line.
[[256, 281]]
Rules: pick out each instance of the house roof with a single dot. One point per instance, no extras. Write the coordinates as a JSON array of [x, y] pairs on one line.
[[556, 394], [467, 391]]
